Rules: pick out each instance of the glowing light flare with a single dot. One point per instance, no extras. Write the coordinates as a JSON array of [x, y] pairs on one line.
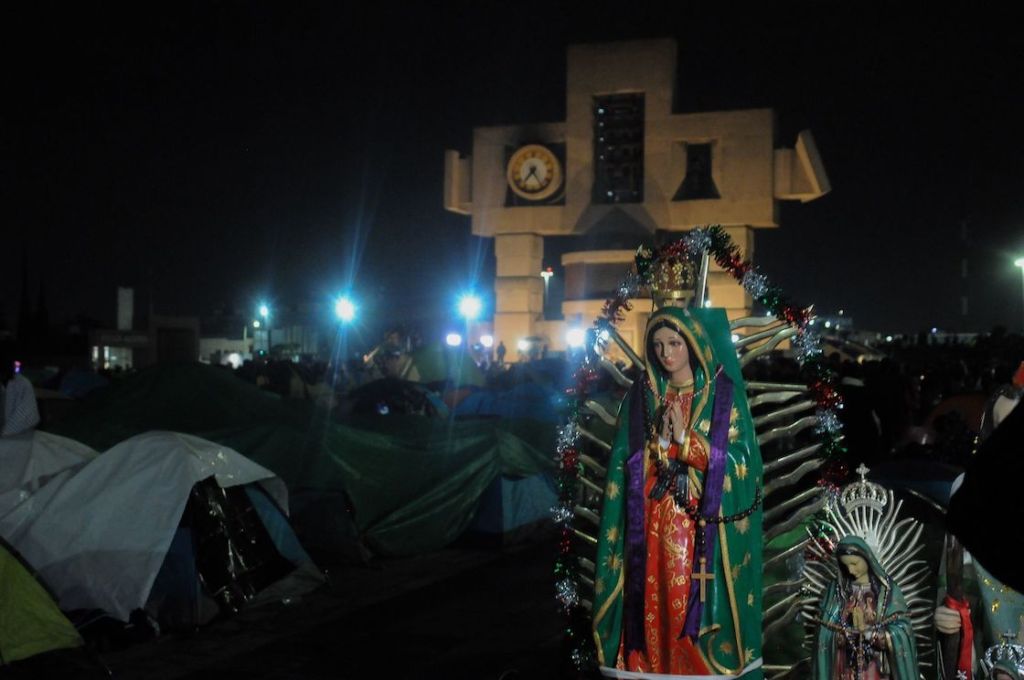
[[256, 323], [453, 339], [1019, 262], [575, 337], [470, 307], [487, 341], [264, 311], [523, 344], [345, 309]]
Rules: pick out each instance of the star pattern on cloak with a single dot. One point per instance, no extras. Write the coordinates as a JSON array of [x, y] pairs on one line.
[[614, 562], [741, 470], [748, 655], [746, 559], [734, 433], [750, 599], [612, 534], [599, 586], [995, 605], [736, 572], [726, 647], [727, 484], [704, 426], [743, 525], [734, 415], [613, 490]]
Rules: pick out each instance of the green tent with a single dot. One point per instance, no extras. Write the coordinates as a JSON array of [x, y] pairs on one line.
[[30, 622], [437, 363], [414, 483]]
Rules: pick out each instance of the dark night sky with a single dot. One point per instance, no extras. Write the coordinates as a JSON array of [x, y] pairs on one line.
[[220, 152]]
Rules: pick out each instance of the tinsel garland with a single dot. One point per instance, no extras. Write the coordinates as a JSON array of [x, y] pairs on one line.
[[719, 246]]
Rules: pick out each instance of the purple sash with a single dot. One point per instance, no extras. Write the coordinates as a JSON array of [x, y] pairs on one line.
[[711, 501], [636, 550]]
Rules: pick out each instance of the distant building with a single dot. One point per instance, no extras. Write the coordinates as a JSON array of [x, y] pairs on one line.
[[622, 167], [160, 339]]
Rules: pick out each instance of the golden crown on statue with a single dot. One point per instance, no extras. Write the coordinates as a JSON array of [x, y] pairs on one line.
[[864, 493], [670, 277]]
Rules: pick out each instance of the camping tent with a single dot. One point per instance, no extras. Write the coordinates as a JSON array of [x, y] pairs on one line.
[[30, 622], [399, 484], [101, 533], [30, 459]]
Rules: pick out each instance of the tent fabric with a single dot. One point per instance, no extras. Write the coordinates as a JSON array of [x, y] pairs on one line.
[[528, 400], [411, 483], [414, 483], [30, 622], [436, 363], [99, 534], [511, 503], [30, 459]]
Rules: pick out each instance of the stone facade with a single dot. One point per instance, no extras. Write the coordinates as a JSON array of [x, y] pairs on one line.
[[681, 170]]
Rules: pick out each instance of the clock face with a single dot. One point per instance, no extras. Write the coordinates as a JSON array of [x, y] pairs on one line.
[[534, 172]]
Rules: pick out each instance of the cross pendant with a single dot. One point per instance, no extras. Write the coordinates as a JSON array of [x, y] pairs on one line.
[[703, 576]]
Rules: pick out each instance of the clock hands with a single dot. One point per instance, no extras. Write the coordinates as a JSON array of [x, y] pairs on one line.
[[532, 173]]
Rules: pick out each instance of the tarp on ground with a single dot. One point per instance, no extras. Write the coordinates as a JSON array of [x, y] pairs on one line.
[[99, 534], [30, 622], [411, 484]]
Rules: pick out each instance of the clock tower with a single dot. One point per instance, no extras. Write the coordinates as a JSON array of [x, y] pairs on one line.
[[620, 170]]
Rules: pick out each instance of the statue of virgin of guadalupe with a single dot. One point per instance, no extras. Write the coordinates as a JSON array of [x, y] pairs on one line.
[[864, 629], [678, 576]]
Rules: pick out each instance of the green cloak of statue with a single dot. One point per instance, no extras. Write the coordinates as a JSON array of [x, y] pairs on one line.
[[725, 628], [891, 635]]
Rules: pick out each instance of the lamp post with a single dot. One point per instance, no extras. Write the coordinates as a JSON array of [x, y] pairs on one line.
[[265, 315], [546, 275], [1020, 263]]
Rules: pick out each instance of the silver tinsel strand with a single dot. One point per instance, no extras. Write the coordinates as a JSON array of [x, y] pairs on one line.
[[698, 240], [567, 437], [755, 283], [567, 594], [808, 344], [630, 286], [561, 513], [828, 421]]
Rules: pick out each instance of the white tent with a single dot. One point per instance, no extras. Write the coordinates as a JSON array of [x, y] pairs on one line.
[[30, 459], [98, 532]]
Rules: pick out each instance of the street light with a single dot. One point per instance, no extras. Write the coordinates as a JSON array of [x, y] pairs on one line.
[[344, 309], [1020, 263], [453, 339], [546, 275], [470, 307]]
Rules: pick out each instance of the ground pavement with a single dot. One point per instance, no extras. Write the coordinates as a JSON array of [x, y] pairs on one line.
[[472, 613]]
